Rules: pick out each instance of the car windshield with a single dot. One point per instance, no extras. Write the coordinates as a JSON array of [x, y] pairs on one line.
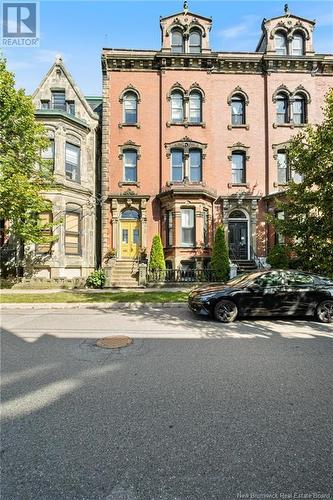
[[243, 278], [325, 280]]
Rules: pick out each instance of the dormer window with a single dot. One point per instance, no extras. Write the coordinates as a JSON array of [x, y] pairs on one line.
[[280, 43], [297, 45], [177, 42], [195, 42], [71, 107], [59, 100], [45, 104]]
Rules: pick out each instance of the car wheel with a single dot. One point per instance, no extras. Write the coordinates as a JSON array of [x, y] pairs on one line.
[[325, 311], [225, 311]]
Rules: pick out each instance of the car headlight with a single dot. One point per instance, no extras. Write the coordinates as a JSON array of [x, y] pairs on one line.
[[206, 296]]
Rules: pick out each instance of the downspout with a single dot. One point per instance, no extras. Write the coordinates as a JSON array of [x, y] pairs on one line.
[[160, 146]]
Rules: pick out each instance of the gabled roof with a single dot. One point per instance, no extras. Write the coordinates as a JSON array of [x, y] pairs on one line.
[[292, 16], [188, 14], [59, 63]]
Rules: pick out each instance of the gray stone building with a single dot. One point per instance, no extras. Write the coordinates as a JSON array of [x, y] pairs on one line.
[[72, 124]]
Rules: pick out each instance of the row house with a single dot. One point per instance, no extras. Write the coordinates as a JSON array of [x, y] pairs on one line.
[[72, 124], [192, 138]]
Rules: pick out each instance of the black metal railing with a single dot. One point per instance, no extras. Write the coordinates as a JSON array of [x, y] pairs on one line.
[[256, 259], [183, 276]]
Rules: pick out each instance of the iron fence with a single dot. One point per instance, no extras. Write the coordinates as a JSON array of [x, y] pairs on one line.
[[183, 276]]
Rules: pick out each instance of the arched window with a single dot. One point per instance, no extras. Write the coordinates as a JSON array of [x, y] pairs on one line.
[[130, 213], [280, 40], [299, 109], [195, 107], [297, 45], [238, 110], [282, 108], [177, 107], [177, 42], [238, 167], [195, 165], [130, 108], [194, 43], [130, 165]]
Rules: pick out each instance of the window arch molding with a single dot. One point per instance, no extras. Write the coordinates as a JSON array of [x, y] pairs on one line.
[[243, 215], [279, 29], [238, 91], [176, 87], [196, 26], [280, 146], [282, 89], [129, 88], [176, 25], [195, 87], [239, 147], [300, 90], [301, 30], [185, 144], [129, 146]]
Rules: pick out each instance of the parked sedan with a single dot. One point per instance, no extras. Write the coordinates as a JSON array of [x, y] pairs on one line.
[[266, 293]]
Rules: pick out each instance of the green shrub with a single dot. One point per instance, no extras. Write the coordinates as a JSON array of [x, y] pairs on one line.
[[220, 256], [278, 257], [96, 279], [157, 260]]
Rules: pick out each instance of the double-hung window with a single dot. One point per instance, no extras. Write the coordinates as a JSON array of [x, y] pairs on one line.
[[72, 162], [237, 110], [195, 165], [299, 110], [283, 170], [177, 165], [238, 167], [282, 111], [72, 231], [59, 100], [130, 108], [177, 107], [48, 153], [130, 166], [46, 220], [205, 227], [177, 42], [194, 43], [280, 44], [188, 226], [195, 107]]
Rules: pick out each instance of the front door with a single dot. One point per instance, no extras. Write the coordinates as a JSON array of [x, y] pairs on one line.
[[238, 240], [130, 239]]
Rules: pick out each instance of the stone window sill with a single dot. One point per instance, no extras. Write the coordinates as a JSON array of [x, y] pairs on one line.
[[129, 183], [289, 125], [245, 126], [186, 124], [241, 184], [279, 184], [122, 125]]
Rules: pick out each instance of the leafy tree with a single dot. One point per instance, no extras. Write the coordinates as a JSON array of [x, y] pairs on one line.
[[278, 257], [157, 261], [308, 205], [23, 174], [220, 257]]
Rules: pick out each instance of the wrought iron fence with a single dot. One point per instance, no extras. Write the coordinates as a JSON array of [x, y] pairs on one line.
[[183, 275]]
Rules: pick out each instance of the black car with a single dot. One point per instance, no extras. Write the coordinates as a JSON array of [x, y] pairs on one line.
[[266, 293]]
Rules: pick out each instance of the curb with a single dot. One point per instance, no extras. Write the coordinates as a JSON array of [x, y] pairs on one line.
[[96, 305]]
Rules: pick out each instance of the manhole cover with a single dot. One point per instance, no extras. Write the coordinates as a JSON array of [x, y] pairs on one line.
[[114, 342]]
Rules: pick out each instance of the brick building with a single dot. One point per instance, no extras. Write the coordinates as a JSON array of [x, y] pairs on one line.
[[192, 137]]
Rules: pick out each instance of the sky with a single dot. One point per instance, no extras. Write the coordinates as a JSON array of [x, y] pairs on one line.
[[78, 30]]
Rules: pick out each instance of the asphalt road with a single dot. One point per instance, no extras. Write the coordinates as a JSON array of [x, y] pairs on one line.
[[192, 410]]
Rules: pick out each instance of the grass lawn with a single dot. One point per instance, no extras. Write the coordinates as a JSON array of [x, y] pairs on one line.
[[72, 296]]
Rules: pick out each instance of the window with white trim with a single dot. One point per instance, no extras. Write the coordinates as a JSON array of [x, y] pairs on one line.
[[297, 45], [130, 165], [177, 107], [238, 167], [195, 107], [195, 165], [177, 42], [282, 167], [194, 43], [130, 108], [177, 165], [72, 231], [187, 226], [280, 40], [72, 162]]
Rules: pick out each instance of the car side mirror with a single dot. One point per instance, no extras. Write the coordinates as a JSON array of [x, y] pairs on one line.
[[254, 287]]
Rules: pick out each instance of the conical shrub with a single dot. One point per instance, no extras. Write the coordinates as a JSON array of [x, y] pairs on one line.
[[157, 261], [220, 256]]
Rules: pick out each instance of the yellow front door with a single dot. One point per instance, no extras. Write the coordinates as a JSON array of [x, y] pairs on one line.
[[130, 239]]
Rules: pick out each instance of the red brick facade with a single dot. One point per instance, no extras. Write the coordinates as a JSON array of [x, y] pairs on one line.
[[160, 195]]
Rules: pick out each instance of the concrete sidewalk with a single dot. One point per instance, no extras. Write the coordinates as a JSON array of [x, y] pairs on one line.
[[9, 291], [94, 305]]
